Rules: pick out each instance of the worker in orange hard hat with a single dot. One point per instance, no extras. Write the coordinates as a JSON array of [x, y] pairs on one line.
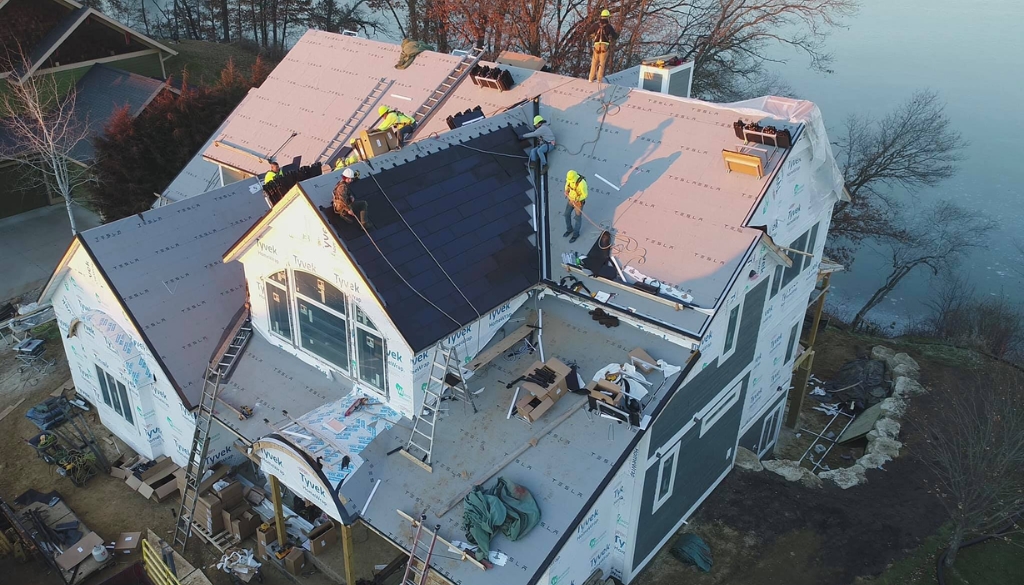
[[602, 34]]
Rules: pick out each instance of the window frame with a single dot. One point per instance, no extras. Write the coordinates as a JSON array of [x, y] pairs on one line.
[[792, 342], [346, 369], [672, 455], [716, 409], [370, 329], [728, 352], [288, 302], [115, 395]]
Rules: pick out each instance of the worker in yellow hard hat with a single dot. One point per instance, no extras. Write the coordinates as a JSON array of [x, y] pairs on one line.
[[348, 158], [545, 138], [392, 119], [576, 198], [602, 34]]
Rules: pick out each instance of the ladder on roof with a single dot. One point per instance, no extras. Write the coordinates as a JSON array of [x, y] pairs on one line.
[[468, 61], [220, 367], [417, 568], [343, 136], [445, 375]]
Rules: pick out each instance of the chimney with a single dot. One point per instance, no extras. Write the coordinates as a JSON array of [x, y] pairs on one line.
[[666, 74]]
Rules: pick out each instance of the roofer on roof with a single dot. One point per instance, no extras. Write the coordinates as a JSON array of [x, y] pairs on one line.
[[347, 161], [345, 203], [391, 118], [576, 198], [545, 142], [602, 33], [273, 173]]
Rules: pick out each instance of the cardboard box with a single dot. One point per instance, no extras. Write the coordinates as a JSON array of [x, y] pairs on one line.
[[119, 468], [209, 513], [160, 468], [642, 360], [557, 389], [133, 482], [245, 525], [374, 143], [261, 552], [532, 408], [295, 560], [322, 538], [230, 515], [219, 471], [254, 495], [268, 536], [230, 495], [127, 543], [78, 552], [601, 389]]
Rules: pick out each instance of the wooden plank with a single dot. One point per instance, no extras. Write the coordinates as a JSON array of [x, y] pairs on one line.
[[513, 456], [465, 556], [10, 409], [412, 458], [499, 348]]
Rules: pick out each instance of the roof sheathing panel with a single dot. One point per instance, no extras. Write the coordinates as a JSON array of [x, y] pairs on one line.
[[315, 90], [166, 265]]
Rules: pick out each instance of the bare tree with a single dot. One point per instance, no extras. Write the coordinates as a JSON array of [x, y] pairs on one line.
[[42, 132], [991, 323], [937, 239], [975, 448], [911, 147]]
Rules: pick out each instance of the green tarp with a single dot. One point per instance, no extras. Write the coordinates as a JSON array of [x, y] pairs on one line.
[[410, 49], [507, 507]]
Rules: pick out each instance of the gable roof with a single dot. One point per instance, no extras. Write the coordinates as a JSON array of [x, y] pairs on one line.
[[101, 92], [307, 99], [165, 267], [462, 213]]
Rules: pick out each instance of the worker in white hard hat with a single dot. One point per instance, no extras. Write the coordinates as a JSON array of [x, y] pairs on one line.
[[602, 34], [545, 142], [345, 204]]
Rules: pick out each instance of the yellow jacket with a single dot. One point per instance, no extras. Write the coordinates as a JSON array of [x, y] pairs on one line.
[[270, 176], [396, 119], [576, 190]]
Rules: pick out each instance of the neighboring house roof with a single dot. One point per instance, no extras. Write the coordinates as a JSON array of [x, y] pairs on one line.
[[455, 224], [313, 92], [100, 93], [62, 29], [165, 266]]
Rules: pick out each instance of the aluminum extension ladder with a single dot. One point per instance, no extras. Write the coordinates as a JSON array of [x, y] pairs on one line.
[[419, 573], [341, 139], [445, 374], [219, 368], [468, 61]]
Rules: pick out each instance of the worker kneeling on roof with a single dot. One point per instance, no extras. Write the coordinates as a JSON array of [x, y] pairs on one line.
[[546, 142], [393, 119], [347, 161], [576, 198], [345, 204]]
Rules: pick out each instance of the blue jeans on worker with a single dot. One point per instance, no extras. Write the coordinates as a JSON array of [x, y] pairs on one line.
[[540, 153], [573, 218]]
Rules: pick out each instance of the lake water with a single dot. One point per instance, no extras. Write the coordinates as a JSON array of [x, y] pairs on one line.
[[971, 53]]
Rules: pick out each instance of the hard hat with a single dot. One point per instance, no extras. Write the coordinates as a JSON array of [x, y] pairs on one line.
[[572, 176], [383, 110], [605, 13], [348, 174], [353, 141], [538, 120]]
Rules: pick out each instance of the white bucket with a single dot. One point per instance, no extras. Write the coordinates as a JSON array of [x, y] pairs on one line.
[[99, 552]]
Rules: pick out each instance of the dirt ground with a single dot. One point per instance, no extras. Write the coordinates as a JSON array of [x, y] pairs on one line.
[[764, 530], [105, 504]]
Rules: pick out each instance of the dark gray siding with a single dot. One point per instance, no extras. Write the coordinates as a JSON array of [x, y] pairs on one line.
[[711, 380], [701, 461], [752, 438]]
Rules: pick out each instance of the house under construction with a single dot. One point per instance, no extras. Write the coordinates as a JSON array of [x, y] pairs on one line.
[[395, 366]]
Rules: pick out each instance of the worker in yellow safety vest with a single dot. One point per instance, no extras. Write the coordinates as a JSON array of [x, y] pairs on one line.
[[393, 119], [602, 34], [576, 198], [347, 161], [273, 173]]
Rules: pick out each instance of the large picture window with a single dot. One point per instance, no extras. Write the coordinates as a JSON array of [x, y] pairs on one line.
[[370, 353], [115, 395], [278, 306], [323, 333]]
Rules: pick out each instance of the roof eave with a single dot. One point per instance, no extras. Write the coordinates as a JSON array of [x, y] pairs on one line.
[[58, 271]]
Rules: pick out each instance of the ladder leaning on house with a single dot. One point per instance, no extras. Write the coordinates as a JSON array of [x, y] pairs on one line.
[[220, 366], [468, 61], [418, 567], [445, 374]]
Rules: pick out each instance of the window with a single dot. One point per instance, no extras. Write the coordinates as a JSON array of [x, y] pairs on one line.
[[785, 274], [811, 241], [323, 329], [793, 340], [370, 351], [115, 395], [730, 332], [777, 280], [798, 260], [718, 407], [666, 477], [280, 315]]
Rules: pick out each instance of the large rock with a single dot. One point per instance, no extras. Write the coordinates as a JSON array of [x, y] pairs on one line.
[[901, 359], [885, 427], [846, 477], [905, 371], [893, 407], [882, 353], [746, 459], [873, 460], [907, 387], [791, 471], [884, 446]]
